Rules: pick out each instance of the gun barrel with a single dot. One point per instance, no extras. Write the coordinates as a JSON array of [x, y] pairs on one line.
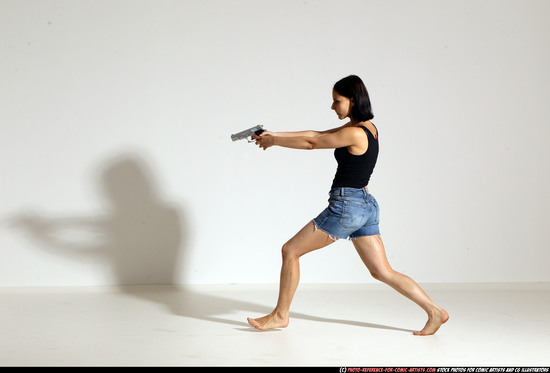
[[246, 133]]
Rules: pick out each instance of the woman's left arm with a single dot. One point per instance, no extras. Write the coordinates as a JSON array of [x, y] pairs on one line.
[[345, 137]]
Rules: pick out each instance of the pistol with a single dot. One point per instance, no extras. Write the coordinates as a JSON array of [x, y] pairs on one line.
[[256, 130]]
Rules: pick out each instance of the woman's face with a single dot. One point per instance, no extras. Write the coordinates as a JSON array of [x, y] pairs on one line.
[[341, 105]]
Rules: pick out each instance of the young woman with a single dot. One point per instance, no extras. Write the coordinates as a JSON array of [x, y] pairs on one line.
[[352, 211]]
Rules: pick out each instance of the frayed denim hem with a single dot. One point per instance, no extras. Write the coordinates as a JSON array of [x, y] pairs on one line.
[[334, 238]]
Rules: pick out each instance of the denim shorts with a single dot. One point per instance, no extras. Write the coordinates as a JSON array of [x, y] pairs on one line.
[[351, 213]]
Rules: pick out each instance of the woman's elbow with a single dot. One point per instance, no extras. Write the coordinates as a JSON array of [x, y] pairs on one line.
[[310, 145]]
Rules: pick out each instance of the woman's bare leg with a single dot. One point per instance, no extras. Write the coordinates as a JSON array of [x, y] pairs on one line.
[[372, 252], [306, 240]]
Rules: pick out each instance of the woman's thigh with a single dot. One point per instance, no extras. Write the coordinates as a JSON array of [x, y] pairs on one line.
[[308, 239], [372, 252]]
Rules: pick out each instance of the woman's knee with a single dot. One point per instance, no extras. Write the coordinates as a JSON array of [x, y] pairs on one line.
[[289, 252], [382, 274]]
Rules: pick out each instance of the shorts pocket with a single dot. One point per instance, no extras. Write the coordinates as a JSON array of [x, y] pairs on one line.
[[335, 206], [353, 215]]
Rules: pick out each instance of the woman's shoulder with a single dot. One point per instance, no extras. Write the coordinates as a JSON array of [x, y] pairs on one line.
[[371, 127]]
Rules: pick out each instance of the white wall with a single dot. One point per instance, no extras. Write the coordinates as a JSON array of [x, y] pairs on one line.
[[117, 166]]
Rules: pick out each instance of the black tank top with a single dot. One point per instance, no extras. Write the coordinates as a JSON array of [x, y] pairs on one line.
[[354, 171]]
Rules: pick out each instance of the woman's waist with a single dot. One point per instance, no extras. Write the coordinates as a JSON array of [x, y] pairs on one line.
[[349, 192]]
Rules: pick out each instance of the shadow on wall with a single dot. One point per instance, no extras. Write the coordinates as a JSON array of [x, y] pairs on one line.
[[141, 236]]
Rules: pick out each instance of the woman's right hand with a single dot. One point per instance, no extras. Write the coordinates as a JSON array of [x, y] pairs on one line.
[[264, 140]]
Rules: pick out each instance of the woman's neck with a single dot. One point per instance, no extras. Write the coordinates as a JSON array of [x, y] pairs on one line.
[[355, 123]]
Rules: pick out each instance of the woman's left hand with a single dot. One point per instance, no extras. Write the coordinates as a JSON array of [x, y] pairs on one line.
[[264, 141]]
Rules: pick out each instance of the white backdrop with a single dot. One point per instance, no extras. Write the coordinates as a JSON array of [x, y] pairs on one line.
[[117, 166]]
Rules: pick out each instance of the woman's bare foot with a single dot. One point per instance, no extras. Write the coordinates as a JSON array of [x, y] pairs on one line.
[[271, 321], [438, 318]]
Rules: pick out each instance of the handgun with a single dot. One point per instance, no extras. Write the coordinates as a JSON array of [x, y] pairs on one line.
[[256, 130]]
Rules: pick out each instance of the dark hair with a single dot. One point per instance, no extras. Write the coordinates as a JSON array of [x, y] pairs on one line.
[[353, 87]]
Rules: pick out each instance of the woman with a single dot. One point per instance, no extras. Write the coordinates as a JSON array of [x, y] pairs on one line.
[[352, 211]]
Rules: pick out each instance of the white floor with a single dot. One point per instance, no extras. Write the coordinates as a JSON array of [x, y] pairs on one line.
[[331, 325]]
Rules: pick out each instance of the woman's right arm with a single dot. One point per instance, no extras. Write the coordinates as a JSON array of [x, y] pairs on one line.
[[304, 133]]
